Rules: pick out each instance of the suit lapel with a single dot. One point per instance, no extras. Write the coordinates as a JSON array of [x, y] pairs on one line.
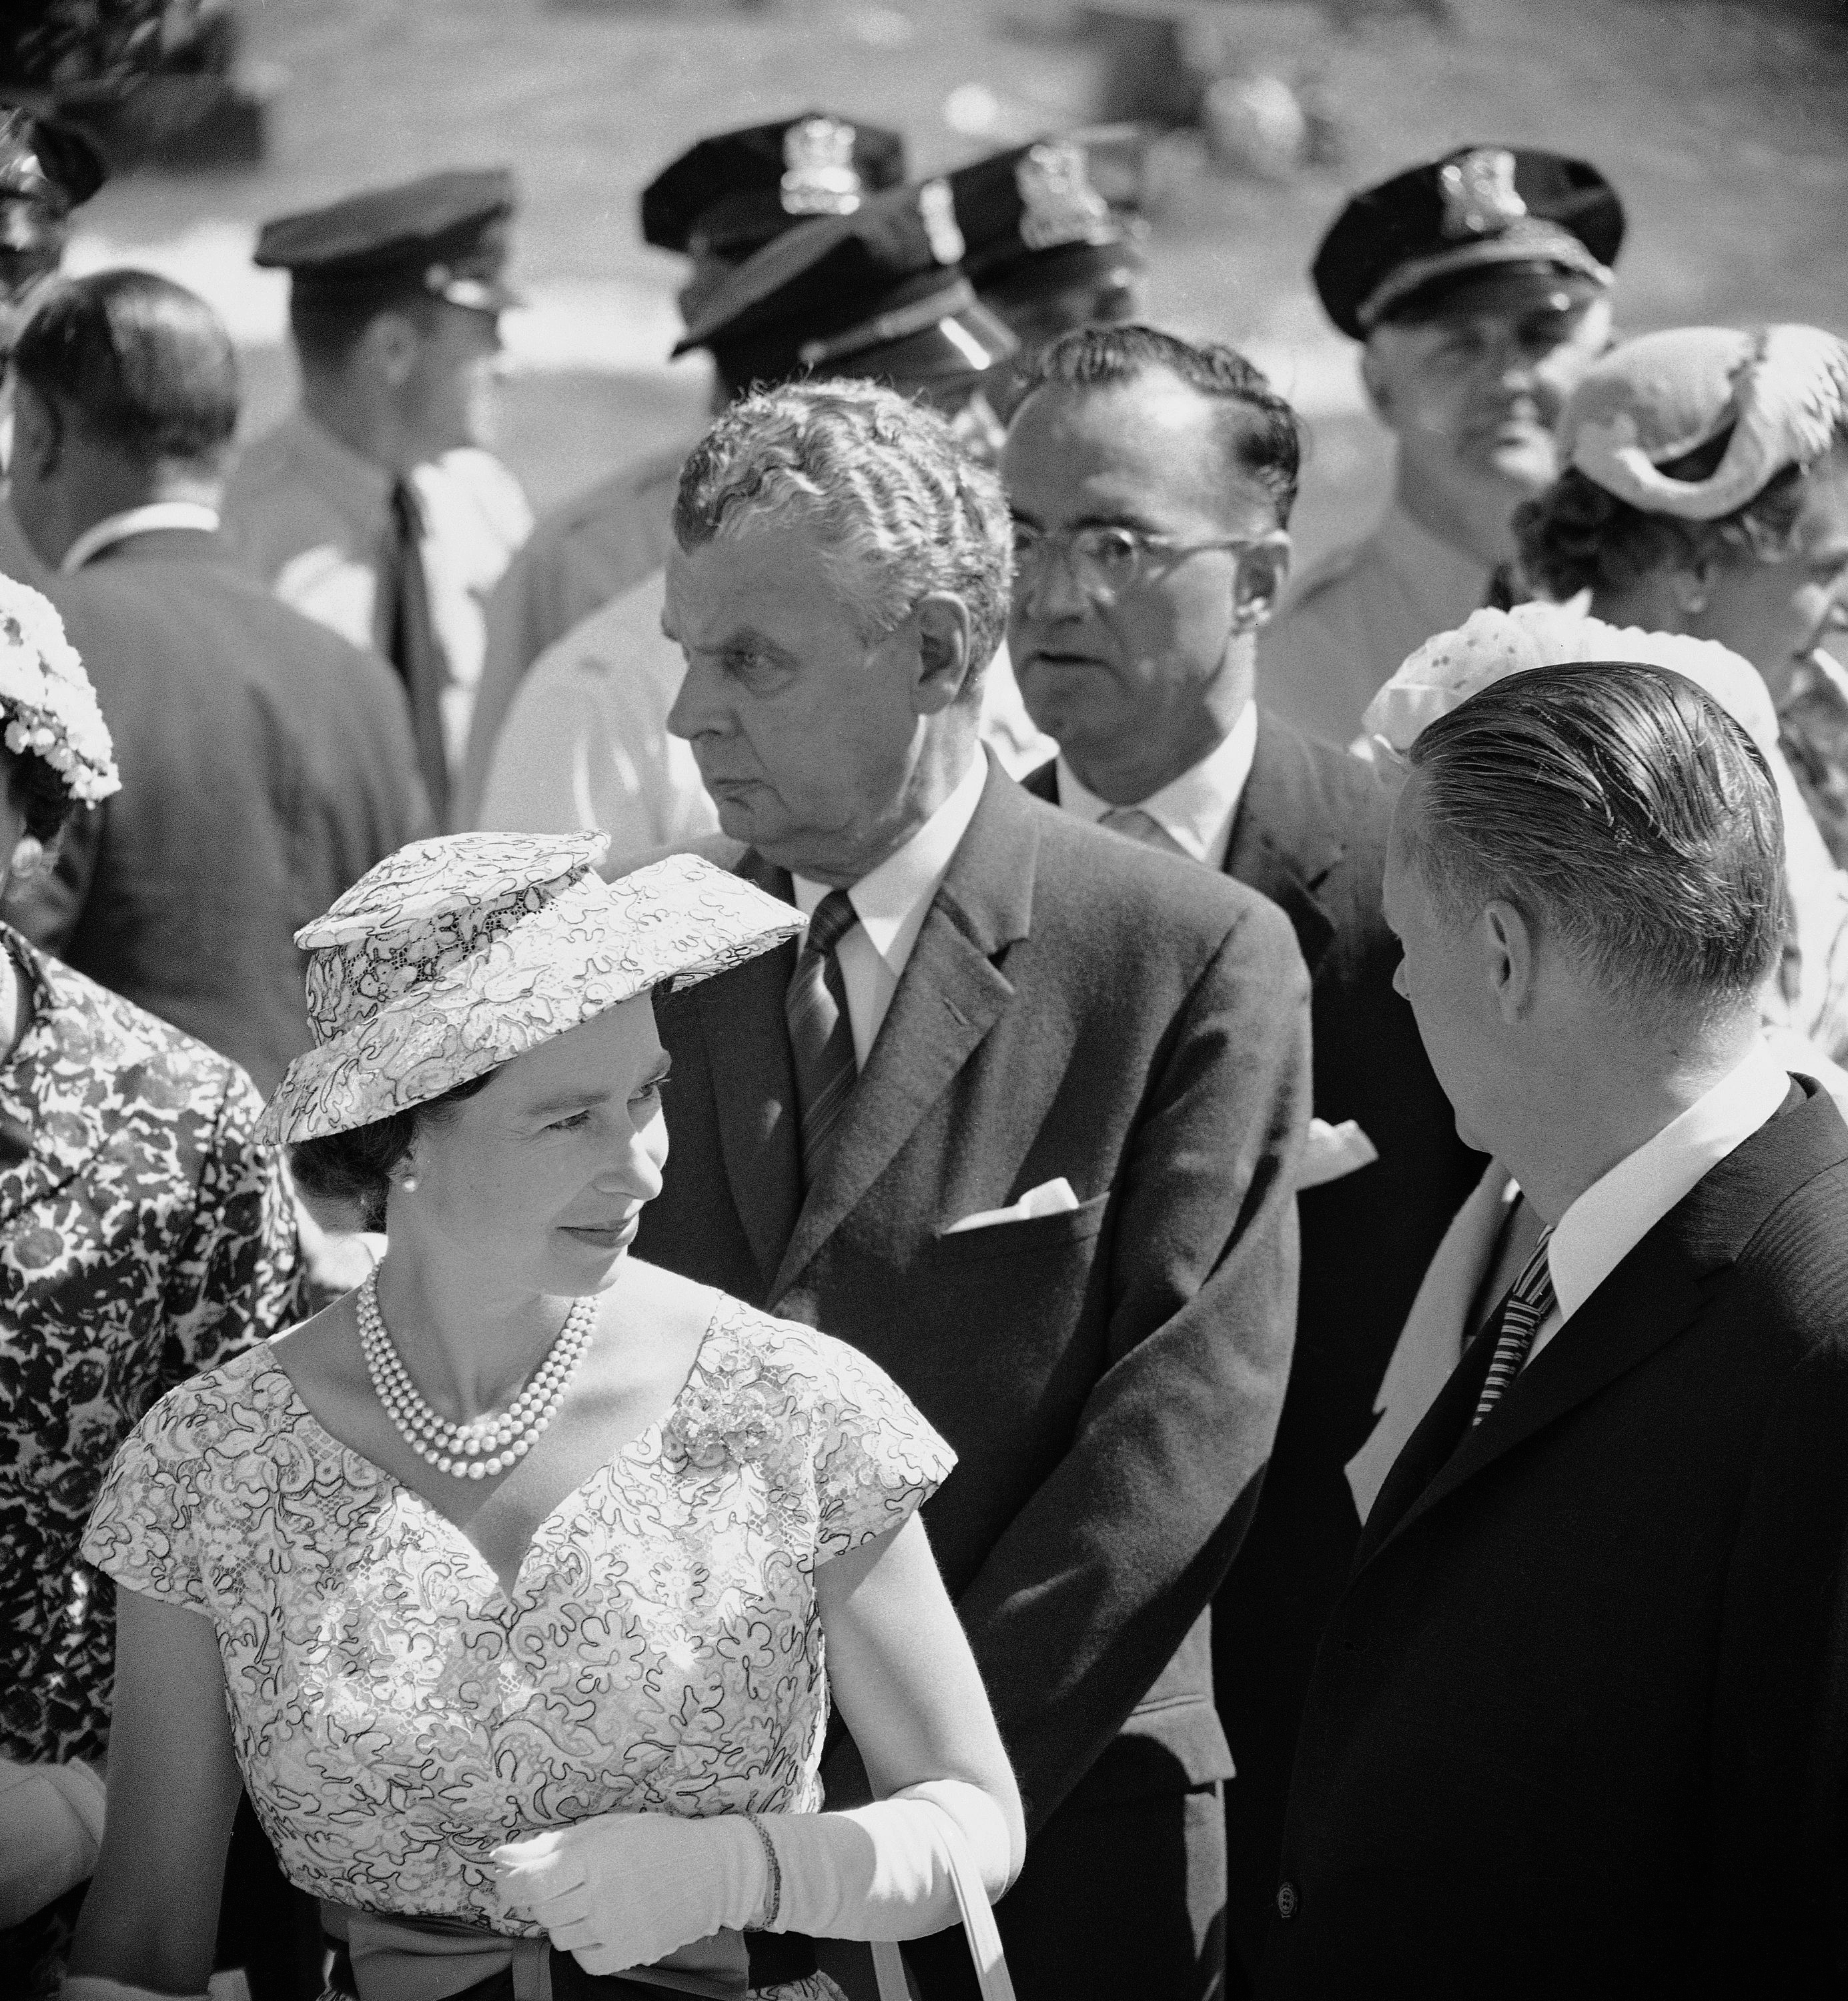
[[1644, 1304], [754, 1082], [1281, 844], [949, 997]]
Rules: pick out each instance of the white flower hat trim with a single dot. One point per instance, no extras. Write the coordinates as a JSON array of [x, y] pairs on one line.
[[1490, 645], [49, 706]]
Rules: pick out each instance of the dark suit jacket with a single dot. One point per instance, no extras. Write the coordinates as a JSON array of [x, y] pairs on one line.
[[1110, 1378], [265, 766], [1579, 1725], [1310, 834]]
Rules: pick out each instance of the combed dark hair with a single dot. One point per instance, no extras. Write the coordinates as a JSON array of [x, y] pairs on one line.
[[38, 794], [1619, 810], [144, 364], [326, 329], [355, 1166], [1577, 536], [1261, 428]]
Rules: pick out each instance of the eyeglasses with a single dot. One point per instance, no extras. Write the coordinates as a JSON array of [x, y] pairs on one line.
[[1104, 561]]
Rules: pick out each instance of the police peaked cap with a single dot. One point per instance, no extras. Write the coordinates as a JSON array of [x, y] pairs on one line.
[[731, 194], [1398, 249], [446, 234], [1054, 212]]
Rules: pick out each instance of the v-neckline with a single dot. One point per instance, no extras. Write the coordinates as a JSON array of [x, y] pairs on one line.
[[509, 1590]]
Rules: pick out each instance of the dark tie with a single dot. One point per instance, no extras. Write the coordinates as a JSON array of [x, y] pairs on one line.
[[411, 641], [1527, 1306], [821, 1035]]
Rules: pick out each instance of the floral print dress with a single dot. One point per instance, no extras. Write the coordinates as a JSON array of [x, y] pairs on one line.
[[397, 1714], [145, 1235]]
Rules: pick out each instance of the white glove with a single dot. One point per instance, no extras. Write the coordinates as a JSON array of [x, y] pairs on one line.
[[626, 1889], [51, 1830], [883, 1871]]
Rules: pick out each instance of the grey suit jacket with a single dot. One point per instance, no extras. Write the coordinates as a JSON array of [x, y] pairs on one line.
[[1110, 1377]]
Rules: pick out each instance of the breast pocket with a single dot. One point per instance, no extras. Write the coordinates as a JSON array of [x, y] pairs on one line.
[[1037, 1236]]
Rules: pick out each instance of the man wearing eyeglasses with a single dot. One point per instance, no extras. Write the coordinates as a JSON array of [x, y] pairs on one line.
[[1150, 482]]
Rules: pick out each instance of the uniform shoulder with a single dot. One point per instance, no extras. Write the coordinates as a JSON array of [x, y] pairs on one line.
[[1337, 567]]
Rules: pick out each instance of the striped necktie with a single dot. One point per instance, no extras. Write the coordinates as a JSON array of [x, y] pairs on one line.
[[1527, 1306], [821, 1034]]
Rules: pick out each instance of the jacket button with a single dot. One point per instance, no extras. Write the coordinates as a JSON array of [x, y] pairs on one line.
[[1289, 1901]]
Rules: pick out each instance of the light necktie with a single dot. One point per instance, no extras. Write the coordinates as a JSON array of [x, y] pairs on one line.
[[1525, 1307], [821, 1033], [1137, 825], [410, 638]]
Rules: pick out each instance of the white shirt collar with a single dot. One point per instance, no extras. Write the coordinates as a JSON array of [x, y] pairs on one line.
[[1195, 811], [1620, 1208], [113, 528], [892, 900]]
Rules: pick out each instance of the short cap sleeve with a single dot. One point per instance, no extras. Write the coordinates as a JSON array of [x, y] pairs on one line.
[[142, 1530], [877, 1458]]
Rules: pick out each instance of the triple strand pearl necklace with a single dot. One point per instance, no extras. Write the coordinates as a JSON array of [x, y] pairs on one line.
[[485, 1445]]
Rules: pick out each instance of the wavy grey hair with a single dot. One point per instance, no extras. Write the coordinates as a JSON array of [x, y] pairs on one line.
[[899, 507]]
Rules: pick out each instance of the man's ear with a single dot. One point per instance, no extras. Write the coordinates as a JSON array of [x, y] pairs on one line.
[[944, 661], [1257, 581], [1507, 942], [1375, 379], [389, 347], [38, 431]]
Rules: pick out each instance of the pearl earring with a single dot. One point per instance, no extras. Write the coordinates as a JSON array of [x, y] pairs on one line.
[[408, 1183], [28, 857]]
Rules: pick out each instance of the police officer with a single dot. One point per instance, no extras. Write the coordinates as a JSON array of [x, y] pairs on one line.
[[718, 202], [1054, 237], [46, 170], [1480, 286], [374, 506], [878, 293]]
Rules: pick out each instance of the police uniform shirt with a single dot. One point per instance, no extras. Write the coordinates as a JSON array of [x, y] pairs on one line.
[[579, 557], [310, 516], [1348, 626], [585, 743]]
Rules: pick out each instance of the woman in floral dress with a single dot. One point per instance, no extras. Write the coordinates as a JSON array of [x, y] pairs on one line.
[[514, 1584], [144, 1234]]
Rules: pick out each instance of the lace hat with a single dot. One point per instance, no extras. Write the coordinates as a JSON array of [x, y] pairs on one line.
[[454, 956], [1781, 391], [47, 706], [1490, 645]]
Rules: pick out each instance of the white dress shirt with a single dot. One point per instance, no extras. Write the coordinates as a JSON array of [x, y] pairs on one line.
[[113, 528], [892, 903], [1620, 1208], [1196, 810]]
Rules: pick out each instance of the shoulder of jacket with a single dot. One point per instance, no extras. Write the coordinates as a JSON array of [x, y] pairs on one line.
[[1327, 571]]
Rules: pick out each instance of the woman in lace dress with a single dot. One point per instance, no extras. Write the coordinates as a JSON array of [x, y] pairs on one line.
[[1706, 493], [514, 1586]]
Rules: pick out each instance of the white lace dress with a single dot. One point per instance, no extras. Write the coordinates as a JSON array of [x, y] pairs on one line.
[[396, 1715]]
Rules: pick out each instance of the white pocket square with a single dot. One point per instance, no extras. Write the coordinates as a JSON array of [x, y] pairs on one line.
[[1052, 1198], [1332, 1151]]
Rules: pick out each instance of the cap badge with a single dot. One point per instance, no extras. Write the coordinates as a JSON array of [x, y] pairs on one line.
[[937, 211], [1478, 193], [820, 178], [1059, 204]]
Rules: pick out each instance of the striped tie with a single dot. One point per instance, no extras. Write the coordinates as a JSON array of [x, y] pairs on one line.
[[821, 1034], [1527, 1306]]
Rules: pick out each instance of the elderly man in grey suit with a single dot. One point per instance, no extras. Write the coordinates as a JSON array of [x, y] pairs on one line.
[[1021, 1119]]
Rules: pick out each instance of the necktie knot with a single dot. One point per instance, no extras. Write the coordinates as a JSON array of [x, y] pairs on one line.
[[407, 509], [1527, 1305], [1136, 825], [830, 922]]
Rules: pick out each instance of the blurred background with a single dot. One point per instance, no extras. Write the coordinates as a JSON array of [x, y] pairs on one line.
[[1723, 123]]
